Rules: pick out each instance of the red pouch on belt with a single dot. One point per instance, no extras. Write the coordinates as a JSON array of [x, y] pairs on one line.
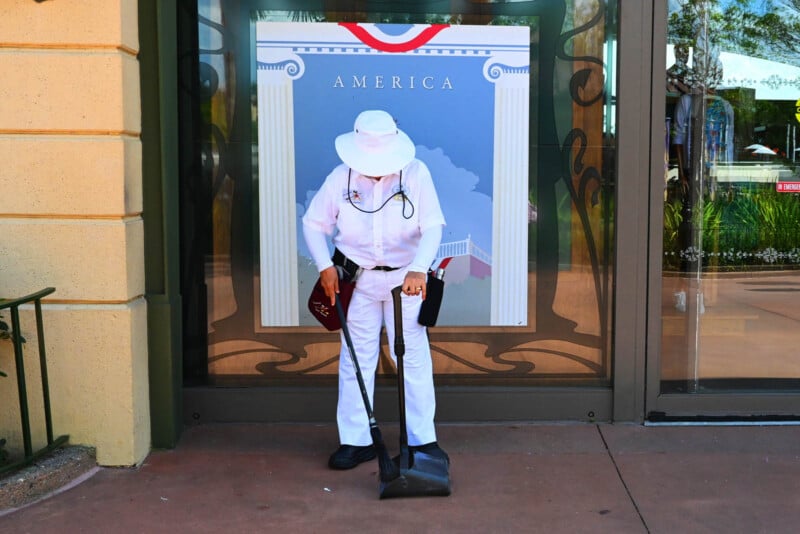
[[320, 305]]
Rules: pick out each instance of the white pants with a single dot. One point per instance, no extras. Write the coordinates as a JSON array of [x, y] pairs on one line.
[[371, 307]]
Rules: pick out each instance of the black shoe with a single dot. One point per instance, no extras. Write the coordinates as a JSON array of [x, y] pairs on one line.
[[349, 456], [431, 449]]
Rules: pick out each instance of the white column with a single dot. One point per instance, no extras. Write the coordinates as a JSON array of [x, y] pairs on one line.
[[276, 191], [509, 306]]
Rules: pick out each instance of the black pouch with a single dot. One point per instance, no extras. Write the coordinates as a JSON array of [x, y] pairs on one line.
[[429, 311]]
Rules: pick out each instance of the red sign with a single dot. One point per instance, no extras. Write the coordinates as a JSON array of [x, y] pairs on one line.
[[787, 187]]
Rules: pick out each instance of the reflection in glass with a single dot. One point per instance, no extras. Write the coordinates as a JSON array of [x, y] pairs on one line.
[[731, 230]]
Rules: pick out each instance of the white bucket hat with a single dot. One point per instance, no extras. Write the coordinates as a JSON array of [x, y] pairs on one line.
[[376, 146]]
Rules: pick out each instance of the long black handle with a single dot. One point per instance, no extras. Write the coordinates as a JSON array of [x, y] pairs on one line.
[[388, 469], [399, 352], [354, 360]]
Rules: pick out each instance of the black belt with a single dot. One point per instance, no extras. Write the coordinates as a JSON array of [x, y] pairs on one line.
[[352, 267], [346, 263]]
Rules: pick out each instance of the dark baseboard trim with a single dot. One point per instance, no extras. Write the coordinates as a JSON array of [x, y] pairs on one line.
[[205, 404]]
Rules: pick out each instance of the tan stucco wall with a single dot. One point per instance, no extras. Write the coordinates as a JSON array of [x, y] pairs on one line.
[[70, 217]]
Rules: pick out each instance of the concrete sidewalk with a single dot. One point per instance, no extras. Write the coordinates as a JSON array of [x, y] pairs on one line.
[[505, 478]]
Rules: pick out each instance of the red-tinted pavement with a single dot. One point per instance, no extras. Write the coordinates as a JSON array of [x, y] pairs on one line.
[[505, 478]]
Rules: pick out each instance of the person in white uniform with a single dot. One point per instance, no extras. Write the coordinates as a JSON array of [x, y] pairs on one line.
[[381, 209]]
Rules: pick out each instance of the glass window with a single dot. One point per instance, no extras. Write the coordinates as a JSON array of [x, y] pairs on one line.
[[529, 272], [731, 201]]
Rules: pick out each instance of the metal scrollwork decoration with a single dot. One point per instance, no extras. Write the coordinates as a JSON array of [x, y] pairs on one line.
[[590, 178]]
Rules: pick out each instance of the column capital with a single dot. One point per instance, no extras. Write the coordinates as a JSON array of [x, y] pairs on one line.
[[500, 66], [290, 64]]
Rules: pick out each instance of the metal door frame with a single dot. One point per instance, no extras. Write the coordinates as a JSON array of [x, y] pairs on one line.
[[632, 193]]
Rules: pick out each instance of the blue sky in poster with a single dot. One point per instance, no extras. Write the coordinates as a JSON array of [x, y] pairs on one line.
[[450, 123]]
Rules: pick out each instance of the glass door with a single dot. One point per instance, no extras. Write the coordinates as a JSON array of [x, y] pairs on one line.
[[730, 312]]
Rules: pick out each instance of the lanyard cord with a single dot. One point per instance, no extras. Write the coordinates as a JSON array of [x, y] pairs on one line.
[[379, 208]]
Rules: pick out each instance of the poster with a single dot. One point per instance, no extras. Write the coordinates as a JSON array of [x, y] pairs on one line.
[[460, 92]]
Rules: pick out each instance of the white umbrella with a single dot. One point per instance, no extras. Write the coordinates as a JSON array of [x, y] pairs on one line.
[[764, 150], [757, 147]]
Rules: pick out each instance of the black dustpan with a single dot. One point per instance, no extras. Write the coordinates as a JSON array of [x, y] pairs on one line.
[[420, 474]]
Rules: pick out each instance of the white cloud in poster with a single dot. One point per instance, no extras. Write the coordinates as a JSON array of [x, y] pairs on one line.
[[467, 211]]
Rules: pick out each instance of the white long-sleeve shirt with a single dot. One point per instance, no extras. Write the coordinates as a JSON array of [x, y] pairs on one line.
[[404, 233]]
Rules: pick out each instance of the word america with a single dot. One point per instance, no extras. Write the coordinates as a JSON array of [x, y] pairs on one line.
[[394, 82]]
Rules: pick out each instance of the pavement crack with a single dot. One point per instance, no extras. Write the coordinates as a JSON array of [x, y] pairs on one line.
[[622, 480]]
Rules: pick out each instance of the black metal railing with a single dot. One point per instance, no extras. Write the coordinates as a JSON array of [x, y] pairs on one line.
[[17, 340]]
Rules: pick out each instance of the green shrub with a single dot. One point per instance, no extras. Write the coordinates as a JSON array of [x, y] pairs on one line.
[[742, 228]]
